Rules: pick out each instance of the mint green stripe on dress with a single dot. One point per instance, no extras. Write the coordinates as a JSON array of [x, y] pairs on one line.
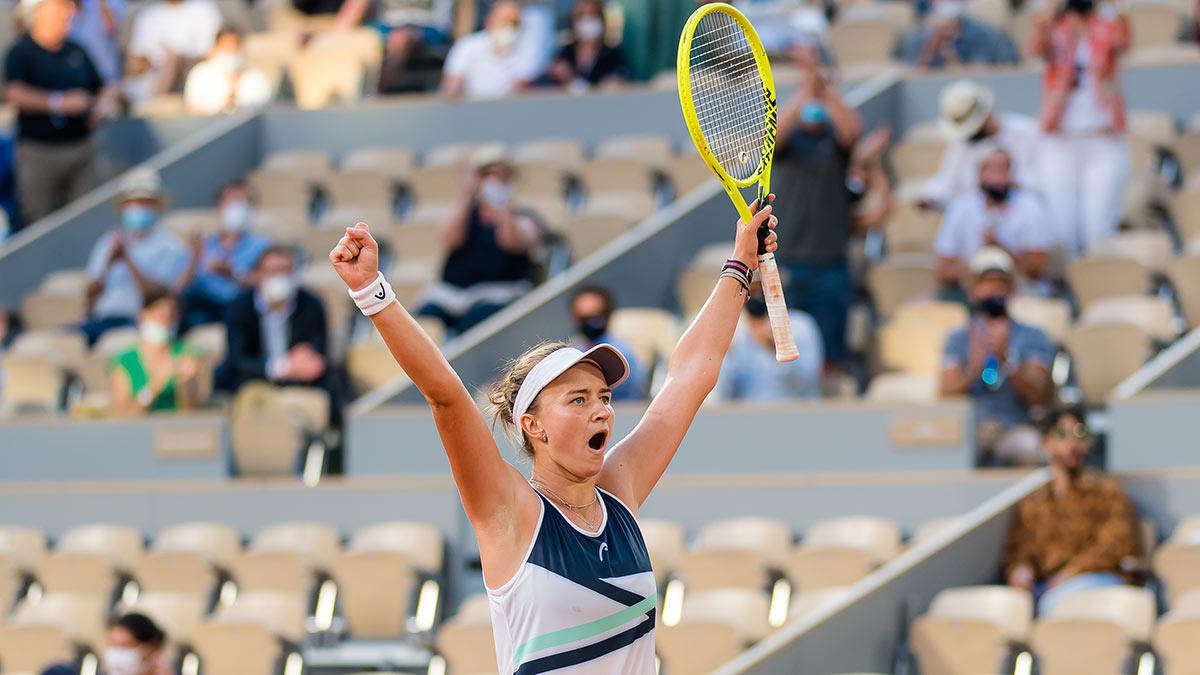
[[583, 631]]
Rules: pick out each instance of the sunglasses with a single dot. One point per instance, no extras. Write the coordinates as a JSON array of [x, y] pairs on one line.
[[1078, 432]]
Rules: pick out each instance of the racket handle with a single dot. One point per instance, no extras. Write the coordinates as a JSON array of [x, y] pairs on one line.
[[781, 325]]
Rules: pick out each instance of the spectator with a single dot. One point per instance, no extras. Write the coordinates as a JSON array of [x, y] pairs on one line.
[[750, 371], [489, 245], [950, 38], [1076, 533], [277, 330], [997, 214], [97, 28], [317, 7], [591, 309], [160, 372], [6, 338], [488, 64], [167, 38], [974, 129], [1085, 154], [125, 263], [817, 133], [1001, 364], [59, 97], [223, 82], [415, 34], [783, 24], [135, 647], [586, 61], [227, 259]]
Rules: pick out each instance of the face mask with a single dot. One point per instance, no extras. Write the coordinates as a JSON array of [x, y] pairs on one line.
[[994, 307], [1081, 6], [495, 192], [235, 216], [154, 332], [504, 38], [122, 661], [813, 113], [229, 61], [997, 193], [278, 288], [589, 28], [592, 327], [138, 218]]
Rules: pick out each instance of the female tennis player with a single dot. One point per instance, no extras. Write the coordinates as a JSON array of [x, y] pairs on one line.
[[568, 576]]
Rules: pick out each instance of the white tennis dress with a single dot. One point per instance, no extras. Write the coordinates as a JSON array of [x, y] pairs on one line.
[[579, 604]]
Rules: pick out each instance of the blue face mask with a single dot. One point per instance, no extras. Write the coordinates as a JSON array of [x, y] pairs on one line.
[[138, 218], [814, 113]]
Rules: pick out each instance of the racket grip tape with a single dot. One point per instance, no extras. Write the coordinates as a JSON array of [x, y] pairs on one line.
[[781, 325]]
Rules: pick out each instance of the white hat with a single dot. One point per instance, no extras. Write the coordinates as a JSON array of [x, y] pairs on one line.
[[964, 107], [140, 184], [991, 259], [488, 155], [611, 362], [26, 8]]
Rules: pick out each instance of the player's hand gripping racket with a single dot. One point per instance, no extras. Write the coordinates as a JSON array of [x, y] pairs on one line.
[[728, 99]]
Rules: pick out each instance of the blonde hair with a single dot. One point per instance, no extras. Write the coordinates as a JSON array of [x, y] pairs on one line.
[[502, 394]]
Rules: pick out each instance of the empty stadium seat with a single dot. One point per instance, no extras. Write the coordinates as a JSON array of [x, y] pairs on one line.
[[971, 629], [1104, 355], [898, 280], [648, 149], [900, 15], [665, 542], [565, 153], [1093, 278], [1187, 530], [175, 572], [320, 77], [911, 229], [865, 41], [364, 42], [1152, 22], [615, 175], [180, 615], [879, 537], [271, 571], [121, 545], [364, 187], [1177, 643], [933, 527], [586, 234], [1051, 315], [10, 583], [81, 617], [421, 543], [457, 154], [283, 613], [630, 206], [1130, 607], [1078, 646], [817, 568], [316, 542], [703, 569], [77, 573], [375, 589], [916, 159], [229, 648], [24, 546], [395, 163], [697, 648], [651, 333], [911, 347], [218, 543], [540, 181], [687, 173], [48, 308], [187, 222], [745, 609], [281, 190], [467, 647], [807, 602], [1152, 248], [1177, 565], [32, 649], [1184, 274], [903, 388], [1154, 316], [769, 537], [32, 383], [436, 185]]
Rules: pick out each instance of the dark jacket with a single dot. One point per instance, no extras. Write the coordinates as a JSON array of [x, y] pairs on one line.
[[247, 356]]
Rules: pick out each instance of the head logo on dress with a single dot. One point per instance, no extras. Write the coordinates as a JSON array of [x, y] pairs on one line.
[[603, 548]]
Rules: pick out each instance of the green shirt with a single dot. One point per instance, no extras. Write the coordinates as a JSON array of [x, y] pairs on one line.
[[130, 363]]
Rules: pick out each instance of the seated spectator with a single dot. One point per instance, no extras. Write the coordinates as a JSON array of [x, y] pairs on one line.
[[222, 82], [167, 38], [489, 245], [1076, 533], [1001, 364], [586, 61], [60, 98], [415, 34], [125, 263], [950, 38], [997, 214], [97, 28], [591, 310], [974, 128], [750, 371], [160, 372], [135, 647], [227, 259], [488, 64], [277, 330]]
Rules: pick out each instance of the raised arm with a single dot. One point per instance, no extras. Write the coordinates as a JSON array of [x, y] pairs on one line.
[[487, 483], [636, 463]]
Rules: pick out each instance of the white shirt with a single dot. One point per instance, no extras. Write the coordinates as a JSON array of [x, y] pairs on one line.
[[1084, 114], [213, 83], [959, 170], [1022, 225], [159, 255], [486, 73], [187, 28], [751, 373]]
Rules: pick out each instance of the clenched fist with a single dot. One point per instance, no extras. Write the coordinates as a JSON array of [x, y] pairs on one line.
[[356, 257]]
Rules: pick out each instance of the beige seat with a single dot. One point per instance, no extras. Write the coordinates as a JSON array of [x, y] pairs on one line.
[[32, 649], [807, 602], [903, 388], [116, 341], [1009, 609], [277, 572], [456, 155], [421, 543], [651, 333], [187, 222], [588, 234], [282, 613], [81, 617], [281, 190], [917, 159], [320, 77], [744, 609], [862, 41], [375, 589], [665, 542], [649, 149], [1187, 149], [267, 442], [1187, 530], [1152, 248], [901, 279], [697, 648], [66, 350], [769, 537], [365, 43], [631, 206], [687, 173], [878, 537], [535, 181], [317, 542], [467, 647], [1156, 126], [46, 309], [236, 649], [1104, 355], [1051, 315], [475, 610], [565, 153], [77, 573], [1078, 646], [178, 614], [436, 185], [1130, 607], [32, 383], [997, 13], [949, 646], [23, 546], [314, 165], [175, 572], [210, 340], [370, 365], [722, 568], [911, 229], [1184, 274], [1153, 23], [1154, 316], [121, 545], [911, 347], [395, 163], [693, 287], [616, 174], [1093, 278], [815, 568], [217, 542], [900, 15], [1178, 566], [1177, 643], [939, 314], [363, 187], [417, 242], [549, 210], [933, 527], [1187, 604]]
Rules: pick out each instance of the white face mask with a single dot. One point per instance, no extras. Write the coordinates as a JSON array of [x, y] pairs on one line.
[[495, 192], [589, 28], [227, 61], [504, 38], [122, 660], [278, 288], [156, 334], [235, 216]]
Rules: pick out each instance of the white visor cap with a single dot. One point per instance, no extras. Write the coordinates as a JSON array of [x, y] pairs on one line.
[[611, 362]]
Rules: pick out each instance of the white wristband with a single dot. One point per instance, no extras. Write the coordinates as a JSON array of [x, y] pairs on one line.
[[375, 297]]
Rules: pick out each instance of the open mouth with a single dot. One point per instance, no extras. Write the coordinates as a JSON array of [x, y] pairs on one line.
[[597, 440]]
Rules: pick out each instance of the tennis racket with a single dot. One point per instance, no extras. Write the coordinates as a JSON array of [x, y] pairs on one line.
[[728, 100]]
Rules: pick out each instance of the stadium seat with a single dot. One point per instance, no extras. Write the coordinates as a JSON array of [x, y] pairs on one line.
[[565, 153], [865, 41], [900, 15], [121, 545], [744, 609], [409, 279], [24, 546], [549, 210], [940, 314], [651, 333], [218, 543], [631, 206], [184, 223], [996, 13], [1154, 316], [879, 537], [32, 649], [284, 225], [467, 647], [807, 602], [911, 229], [540, 181], [1153, 22], [586, 234], [274, 572], [901, 279], [320, 77], [430, 185], [32, 383], [949, 646], [1155, 126], [1187, 530], [1078, 646], [81, 617], [1152, 248], [313, 165], [363, 188], [1187, 149], [180, 572], [933, 527], [1104, 355], [903, 388], [697, 648], [475, 609], [709, 568], [116, 340], [236, 648], [1177, 565], [281, 190], [365, 43], [687, 173], [421, 543], [648, 149], [178, 614], [270, 51], [283, 613], [267, 442], [395, 163], [1184, 274], [1051, 315], [911, 347], [1170, 54], [615, 175], [375, 590], [1130, 607], [457, 155], [769, 537], [916, 159], [210, 340], [65, 349], [77, 573], [316, 542], [52, 308], [817, 568], [665, 542], [1093, 278], [1177, 643]]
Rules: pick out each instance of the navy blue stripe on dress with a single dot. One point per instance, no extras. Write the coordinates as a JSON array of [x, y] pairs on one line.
[[590, 652]]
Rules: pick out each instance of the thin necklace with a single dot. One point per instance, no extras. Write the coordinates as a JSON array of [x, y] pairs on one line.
[[577, 508]]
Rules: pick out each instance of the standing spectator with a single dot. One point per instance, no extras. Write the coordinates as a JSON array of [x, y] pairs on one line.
[[415, 34], [950, 38], [1076, 533], [489, 245], [969, 119], [223, 82], [817, 133], [782, 24], [160, 372], [586, 61], [59, 97], [167, 38], [1001, 364], [750, 371], [488, 64], [97, 28], [997, 214], [127, 262], [1085, 154], [591, 310], [227, 259]]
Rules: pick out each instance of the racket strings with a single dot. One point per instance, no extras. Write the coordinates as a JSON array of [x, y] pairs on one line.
[[727, 94]]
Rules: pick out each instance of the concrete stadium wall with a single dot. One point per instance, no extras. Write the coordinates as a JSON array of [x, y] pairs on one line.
[[1155, 429]]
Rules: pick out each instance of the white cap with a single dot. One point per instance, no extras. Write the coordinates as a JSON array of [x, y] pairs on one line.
[[26, 8], [607, 358], [964, 107], [487, 155], [991, 259], [140, 184]]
